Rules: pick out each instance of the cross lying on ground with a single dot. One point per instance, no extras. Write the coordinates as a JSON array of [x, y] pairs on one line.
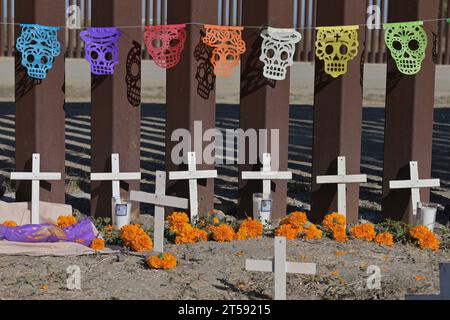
[[445, 286], [280, 267], [415, 184], [115, 176], [35, 176], [266, 175], [192, 175], [160, 200], [341, 179]]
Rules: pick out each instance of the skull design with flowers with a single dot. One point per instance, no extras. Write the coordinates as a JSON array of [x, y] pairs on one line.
[[39, 46], [336, 46], [277, 51], [407, 43], [228, 46], [101, 49], [165, 43]]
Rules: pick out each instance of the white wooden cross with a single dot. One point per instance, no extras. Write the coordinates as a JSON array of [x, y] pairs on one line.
[[341, 180], [266, 175], [279, 266], [415, 184], [160, 200], [192, 175], [115, 176], [35, 176], [444, 284]]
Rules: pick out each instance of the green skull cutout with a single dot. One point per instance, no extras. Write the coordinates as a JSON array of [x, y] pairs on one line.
[[407, 43]]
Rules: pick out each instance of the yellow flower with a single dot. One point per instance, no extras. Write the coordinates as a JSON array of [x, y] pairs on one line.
[[177, 220], [249, 229], [135, 238], [288, 231], [216, 220], [162, 261], [222, 233], [384, 238], [65, 221], [364, 231], [9, 223], [98, 244]]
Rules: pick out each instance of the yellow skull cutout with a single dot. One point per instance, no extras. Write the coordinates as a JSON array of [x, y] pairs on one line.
[[228, 46], [336, 46]]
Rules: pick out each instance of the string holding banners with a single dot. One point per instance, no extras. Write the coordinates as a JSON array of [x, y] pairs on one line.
[[228, 46], [101, 49], [277, 51], [337, 46], [39, 45], [407, 42], [165, 44]]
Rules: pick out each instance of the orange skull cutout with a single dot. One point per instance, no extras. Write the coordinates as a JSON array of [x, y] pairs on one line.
[[228, 46]]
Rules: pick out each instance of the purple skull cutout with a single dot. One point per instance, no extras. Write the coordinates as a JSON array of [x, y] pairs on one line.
[[101, 49]]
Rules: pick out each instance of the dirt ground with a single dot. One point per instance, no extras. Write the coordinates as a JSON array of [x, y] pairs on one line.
[[217, 271]]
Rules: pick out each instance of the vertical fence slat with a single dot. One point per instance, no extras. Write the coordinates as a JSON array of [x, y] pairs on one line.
[[442, 30], [147, 22], [408, 116], [2, 30], [313, 35], [224, 12], [116, 106], [447, 37], [10, 27], [239, 12], [155, 12], [381, 44], [77, 33], [339, 135], [308, 31], [264, 105], [193, 101], [374, 40], [40, 115], [300, 47], [163, 19], [367, 46]]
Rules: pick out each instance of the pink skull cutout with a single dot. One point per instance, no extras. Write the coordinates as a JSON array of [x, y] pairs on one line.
[[165, 43]]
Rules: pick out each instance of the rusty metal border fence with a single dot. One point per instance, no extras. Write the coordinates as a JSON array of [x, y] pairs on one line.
[[230, 13]]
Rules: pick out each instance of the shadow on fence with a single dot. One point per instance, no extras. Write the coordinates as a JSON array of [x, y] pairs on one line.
[[78, 143]]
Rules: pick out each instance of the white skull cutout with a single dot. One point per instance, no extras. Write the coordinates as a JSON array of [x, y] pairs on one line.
[[407, 43], [277, 51], [337, 46]]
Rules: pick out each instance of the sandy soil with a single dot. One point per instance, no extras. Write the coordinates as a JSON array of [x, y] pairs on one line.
[[216, 271]]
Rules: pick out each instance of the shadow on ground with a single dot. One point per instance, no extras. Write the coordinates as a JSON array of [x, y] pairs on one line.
[[300, 143]]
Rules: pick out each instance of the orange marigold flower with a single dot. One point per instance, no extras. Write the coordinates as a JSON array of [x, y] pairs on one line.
[[162, 261], [189, 234], [98, 244], [177, 220], [9, 223], [222, 233], [65, 221], [216, 220], [250, 229], [288, 231], [297, 219], [425, 238], [364, 231], [312, 232], [340, 234], [385, 238], [135, 238], [109, 228], [332, 220]]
